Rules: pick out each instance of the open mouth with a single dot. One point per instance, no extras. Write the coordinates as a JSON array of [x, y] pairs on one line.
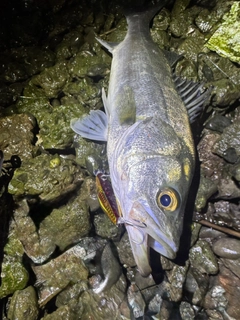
[[144, 233]]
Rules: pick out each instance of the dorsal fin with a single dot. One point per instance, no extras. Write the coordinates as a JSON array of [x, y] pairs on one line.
[[193, 94]]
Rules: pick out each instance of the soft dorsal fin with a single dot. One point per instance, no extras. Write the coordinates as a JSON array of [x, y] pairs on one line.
[[193, 95], [108, 45], [92, 126]]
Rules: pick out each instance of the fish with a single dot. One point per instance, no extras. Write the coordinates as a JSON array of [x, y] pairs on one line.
[[150, 148]]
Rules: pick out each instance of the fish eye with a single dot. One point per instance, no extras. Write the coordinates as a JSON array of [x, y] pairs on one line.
[[168, 199]]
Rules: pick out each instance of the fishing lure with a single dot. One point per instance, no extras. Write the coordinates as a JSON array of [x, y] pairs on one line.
[[106, 197], [109, 205]]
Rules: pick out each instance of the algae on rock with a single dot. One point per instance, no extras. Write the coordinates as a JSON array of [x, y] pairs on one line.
[[226, 39]]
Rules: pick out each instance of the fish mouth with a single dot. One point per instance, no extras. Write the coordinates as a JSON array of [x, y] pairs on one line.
[[144, 233]]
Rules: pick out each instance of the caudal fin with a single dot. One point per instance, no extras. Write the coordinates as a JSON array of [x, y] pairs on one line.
[[141, 11]]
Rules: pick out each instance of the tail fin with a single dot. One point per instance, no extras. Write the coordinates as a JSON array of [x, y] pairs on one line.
[[142, 12]]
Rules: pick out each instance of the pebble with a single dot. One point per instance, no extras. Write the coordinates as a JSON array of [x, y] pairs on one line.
[[227, 248]]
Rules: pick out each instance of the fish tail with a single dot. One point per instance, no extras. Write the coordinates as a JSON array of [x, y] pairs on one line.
[[142, 14]]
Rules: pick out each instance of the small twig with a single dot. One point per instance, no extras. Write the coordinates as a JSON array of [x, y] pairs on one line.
[[223, 229], [107, 32]]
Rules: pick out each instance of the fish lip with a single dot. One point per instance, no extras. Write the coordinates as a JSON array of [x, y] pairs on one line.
[[152, 231], [166, 249]]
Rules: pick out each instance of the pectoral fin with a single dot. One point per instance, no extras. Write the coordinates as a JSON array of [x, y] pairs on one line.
[[93, 126]]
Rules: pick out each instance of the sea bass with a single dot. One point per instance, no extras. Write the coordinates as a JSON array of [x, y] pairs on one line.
[[150, 147]]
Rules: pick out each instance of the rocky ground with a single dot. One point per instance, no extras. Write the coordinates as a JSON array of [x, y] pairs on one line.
[[61, 257]]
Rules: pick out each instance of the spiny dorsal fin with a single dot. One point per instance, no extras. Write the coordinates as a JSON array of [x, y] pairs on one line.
[[193, 94], [93, 126]]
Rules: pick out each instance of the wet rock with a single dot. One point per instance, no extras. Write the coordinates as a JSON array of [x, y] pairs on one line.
[[93, 163], [67, 224], [72, 310], [159, 28], [52, 79], [202, 258], [224, 79], [196, 286], [207, 188], [24, 305], [47, 177], [83, 303], [221, 68], [187, 69], [169, 310], [223, 213], [16, 136], [227, 188], [70, 44], [166, 263], [136, 301], [37, 248], [224, 92], [207, 19], [215, 302], [111, 270], [14, 275], [85, 62], [119, 32], [177, 277], [211, 165], [231, 285], [34, 101], [233, 265], [235, 170], [33, 59], [89, 193], [192, 46], [218, 123], [155, 304], [86, 92], [186, 310], [125, 252], [106, 305], [227, 248], [105, 228], [71, 292], [210, 235], [55, 131], [225, 41], [57, 274], [85, 148], [180, 18], [229, 139]]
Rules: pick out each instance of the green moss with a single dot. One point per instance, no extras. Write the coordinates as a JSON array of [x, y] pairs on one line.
[[226, 40], [14, 276]]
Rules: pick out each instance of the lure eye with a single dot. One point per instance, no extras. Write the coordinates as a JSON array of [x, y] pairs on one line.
[[167, 199]]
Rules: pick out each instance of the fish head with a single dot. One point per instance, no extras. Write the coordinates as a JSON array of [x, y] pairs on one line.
[[151, 191]]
